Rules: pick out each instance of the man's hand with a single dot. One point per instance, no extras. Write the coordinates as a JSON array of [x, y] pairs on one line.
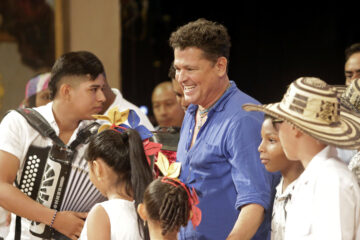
[[70, 223]]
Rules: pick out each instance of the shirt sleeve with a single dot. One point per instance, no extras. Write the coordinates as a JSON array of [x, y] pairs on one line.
[[252, 182], [13, 134]]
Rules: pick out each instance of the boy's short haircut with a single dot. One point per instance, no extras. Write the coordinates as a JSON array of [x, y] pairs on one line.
[[74, 64]]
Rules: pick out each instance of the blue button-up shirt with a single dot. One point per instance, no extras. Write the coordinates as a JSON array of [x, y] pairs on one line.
[[224, 167]]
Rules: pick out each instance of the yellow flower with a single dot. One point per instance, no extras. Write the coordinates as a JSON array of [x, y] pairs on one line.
[[168, 170], [114, 116]]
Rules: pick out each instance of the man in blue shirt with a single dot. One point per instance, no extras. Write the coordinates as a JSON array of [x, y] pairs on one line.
[[218, 142]]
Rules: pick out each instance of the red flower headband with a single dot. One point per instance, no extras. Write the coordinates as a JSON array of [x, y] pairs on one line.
[[195, 214]]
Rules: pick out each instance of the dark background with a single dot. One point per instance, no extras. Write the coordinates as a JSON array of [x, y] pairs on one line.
[[272, 43]]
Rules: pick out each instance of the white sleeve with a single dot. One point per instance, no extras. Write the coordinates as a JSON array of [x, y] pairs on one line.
[[14, 134]]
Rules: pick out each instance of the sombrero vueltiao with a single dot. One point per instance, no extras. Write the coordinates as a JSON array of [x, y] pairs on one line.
[[312, 106], [350, 98]]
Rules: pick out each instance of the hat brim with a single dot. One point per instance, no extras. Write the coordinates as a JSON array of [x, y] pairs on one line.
[[344, 134]]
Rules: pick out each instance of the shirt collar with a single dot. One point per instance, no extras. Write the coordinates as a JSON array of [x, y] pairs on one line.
[[220, 104], [117, 100], [288, 190], [48, 114]]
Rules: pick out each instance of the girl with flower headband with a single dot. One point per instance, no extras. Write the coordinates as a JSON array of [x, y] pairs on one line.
[[168, 204], [120, 171]]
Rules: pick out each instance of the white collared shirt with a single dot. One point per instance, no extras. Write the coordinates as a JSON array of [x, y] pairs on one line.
[[16, 137], [326, 201], [281, 205], [123, 104]]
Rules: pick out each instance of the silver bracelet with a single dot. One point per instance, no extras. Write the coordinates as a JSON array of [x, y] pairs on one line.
[[53, 219]]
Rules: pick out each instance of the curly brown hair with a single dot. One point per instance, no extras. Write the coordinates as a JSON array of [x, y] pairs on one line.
[[211, 37], [167, 204]]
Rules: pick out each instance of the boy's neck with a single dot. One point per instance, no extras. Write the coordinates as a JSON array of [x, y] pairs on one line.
[[308, 148], [291, 173], [65, 120]]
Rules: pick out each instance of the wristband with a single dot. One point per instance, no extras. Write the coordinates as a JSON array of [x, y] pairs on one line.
[[53, 219]]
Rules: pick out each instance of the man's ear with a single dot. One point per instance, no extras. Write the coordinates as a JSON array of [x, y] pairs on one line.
[[221, 66], [142, 212]]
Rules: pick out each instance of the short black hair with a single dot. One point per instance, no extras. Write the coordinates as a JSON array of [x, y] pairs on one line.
[[74, 64], [354, 48]]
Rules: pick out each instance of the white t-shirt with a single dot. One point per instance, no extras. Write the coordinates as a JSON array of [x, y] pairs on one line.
[[123, 104], [326, 201], [4, 230], [282, 203], [16, 137], [123, 220]]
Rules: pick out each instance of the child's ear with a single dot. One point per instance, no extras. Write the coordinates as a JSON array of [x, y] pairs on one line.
[[97, 169], [298, 133], [142, 211]]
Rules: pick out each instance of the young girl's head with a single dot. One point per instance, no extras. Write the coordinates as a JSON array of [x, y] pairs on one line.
[[166, 206], [117, 161], [271, 152]]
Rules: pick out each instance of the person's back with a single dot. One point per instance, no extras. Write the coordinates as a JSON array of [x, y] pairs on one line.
[[120, 171], [168, 204]]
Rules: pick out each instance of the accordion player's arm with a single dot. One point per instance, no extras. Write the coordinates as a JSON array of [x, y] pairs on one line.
[[15, 201]]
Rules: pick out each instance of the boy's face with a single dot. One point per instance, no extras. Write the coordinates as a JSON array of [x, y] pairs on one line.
[[271, 153], [287, 136], [87, 97]]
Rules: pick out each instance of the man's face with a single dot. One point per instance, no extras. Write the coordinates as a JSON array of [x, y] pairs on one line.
[[87, 97], [197, 76], [352, 68], [179, 94], [167, 110]]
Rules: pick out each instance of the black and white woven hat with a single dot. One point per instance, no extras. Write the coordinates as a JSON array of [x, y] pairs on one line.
[[313, 106], [350, 98]]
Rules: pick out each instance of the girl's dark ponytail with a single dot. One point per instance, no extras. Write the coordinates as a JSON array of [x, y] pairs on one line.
[[141, 173], [124, 153]]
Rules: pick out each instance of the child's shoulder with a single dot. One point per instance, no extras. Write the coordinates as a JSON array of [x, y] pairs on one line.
[[334, 171]]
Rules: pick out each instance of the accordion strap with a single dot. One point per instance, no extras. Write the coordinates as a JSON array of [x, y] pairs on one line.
[[40, 124]]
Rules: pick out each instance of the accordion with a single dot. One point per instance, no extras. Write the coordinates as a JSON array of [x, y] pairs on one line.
[[46, 173]]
